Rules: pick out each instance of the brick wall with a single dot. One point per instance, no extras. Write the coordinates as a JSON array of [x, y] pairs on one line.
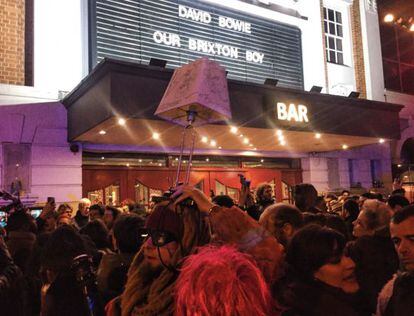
[[358, 50], [12, 29]]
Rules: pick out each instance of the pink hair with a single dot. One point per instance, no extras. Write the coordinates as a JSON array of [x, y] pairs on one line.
[[221, 281]]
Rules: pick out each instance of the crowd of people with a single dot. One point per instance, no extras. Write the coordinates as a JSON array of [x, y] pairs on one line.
[[196, 255]]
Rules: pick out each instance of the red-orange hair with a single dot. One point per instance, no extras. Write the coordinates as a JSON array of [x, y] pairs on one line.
[[221, 281]]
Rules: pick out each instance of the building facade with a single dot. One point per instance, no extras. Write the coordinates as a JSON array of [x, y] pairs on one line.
[[332, 44]]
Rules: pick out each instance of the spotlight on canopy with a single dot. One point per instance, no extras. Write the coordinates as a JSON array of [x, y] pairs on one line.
[[196, 95]]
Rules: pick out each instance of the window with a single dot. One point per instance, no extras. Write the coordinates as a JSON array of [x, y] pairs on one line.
[[332, 21], [16, 166]]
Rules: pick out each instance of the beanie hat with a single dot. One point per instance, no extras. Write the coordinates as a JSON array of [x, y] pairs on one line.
[[163, 218]]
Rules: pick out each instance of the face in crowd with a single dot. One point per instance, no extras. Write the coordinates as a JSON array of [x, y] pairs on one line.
[[361, 225], [84, 208], [323, 250], [339, 272], [402, 235], [267, 193], [159, 248]]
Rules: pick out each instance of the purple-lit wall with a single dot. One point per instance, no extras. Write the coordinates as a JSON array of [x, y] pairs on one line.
[[54, 170]]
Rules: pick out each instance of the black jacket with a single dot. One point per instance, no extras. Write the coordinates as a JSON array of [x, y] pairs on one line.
[[80, 220]]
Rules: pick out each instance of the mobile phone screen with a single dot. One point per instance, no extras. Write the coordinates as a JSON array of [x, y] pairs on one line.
[[35, 212], [3, 219]]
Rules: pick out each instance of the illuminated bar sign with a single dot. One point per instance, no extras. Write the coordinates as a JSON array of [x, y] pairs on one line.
[[180, 31], [292, 112]]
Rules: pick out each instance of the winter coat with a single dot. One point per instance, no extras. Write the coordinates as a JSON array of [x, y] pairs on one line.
[[319, 299], [397, 296], [376, 261]]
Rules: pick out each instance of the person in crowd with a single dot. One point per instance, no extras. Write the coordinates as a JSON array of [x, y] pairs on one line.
[[320, 278], [96, 211], [373, 251], [110, 215], [397, 296], [312, 218], [222, 281], [46, 221], [305, 196], [397, 202], [335, 222], [64, 208], [282, 221], [98, 233], [35, 276], [363, 197], [152, 275], [344, 195], [321, 204], [223, 200], [264, 198], [399, 191], [330, 199], [129, 235], [21, 232], [350, 212], [63, 294], [64, 219], [255, 207], [138, 209], [176, 230], [82, 215], [11, 296]]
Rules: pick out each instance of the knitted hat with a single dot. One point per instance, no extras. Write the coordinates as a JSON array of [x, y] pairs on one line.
[[163, 218]]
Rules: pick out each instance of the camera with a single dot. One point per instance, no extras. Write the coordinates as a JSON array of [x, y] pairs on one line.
[[244, 182]]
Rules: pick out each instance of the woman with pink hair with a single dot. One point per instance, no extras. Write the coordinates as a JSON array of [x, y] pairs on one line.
[[222, 281]]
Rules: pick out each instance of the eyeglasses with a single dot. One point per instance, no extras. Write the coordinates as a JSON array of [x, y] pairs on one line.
[[161, 238]]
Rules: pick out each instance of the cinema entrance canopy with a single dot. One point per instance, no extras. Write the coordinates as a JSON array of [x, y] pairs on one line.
[[267, 120]]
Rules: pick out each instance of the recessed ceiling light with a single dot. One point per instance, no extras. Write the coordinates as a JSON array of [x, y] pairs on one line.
[[127, 164], [102, 132], [160, 164], [102, 157], [317, 135], [344, 146], [17, 165], [207, 159], [121, 121], [251, 145], [381, 140], [399, 165], [234, 130], [176, 159], [241, 135], [254, 148], [204, 139], [261, 160], [219, 147], [139, 160], [213, 143], [156, 135]]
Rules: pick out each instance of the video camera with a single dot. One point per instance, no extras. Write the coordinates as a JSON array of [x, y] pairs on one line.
[[244, 182], [82, 267]]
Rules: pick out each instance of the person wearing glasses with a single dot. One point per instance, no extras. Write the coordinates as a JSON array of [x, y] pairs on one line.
[[176, 229]]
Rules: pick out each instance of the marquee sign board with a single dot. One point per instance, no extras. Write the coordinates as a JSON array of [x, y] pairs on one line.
[[180, 31]]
